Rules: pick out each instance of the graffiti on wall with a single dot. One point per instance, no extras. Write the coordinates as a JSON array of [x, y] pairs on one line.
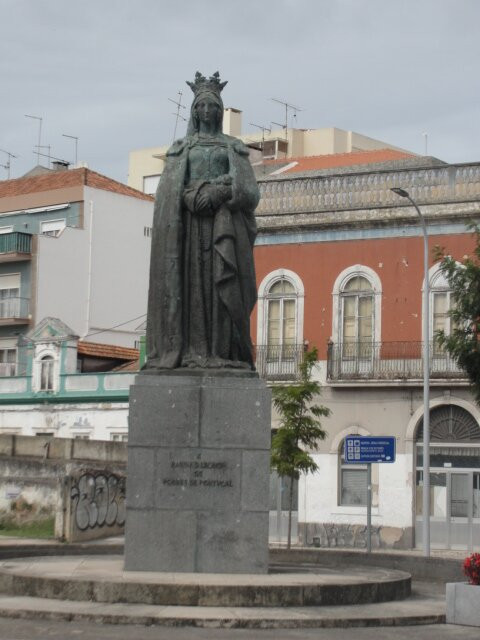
[[98, 500]]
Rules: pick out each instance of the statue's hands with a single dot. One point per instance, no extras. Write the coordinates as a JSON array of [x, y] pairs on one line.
[[210, 197], [202, 201], [205, 198]]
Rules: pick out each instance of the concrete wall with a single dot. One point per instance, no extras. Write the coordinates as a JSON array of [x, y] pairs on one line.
[[62, 277], [79, 483], [142, 163], [97, 277], [120, 265]]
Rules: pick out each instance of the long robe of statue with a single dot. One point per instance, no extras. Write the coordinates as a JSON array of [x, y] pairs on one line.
[[202, 276]]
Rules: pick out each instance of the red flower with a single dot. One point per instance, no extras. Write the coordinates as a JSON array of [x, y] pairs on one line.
[[471, 568]]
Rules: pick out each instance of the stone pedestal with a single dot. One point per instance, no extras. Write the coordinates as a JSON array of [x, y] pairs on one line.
[[463, 604], [198, 474]]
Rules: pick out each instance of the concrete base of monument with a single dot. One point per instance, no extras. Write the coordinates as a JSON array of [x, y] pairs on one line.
[[95, 588], [198, 473], [103, 579]]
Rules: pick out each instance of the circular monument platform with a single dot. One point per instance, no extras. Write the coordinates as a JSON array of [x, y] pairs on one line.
[[102, 579]]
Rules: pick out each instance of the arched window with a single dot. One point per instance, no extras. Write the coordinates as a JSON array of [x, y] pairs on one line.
[[450, 423], [281, 300], [280, 324], [357, 297], [441, 301], [46, 373], [357, 306]]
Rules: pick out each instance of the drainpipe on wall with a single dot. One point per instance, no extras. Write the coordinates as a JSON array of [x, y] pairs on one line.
[[89, 274]]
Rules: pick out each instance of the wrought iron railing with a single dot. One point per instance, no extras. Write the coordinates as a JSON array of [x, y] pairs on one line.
[[14, 308], [279, 361], [16, 242], [387, 361]]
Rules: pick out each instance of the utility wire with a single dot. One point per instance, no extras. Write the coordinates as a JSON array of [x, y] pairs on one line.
[[94, 333]]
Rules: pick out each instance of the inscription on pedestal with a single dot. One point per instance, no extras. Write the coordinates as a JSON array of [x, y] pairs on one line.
[[198, 479], [198, 473]]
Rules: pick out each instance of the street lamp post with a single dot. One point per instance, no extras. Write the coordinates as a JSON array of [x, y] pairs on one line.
[[426, 379]]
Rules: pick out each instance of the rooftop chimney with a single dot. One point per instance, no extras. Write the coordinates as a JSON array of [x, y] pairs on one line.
[[232, 122]]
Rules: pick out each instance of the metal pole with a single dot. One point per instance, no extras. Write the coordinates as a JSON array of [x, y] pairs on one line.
[[369, 508], [65, 135], [426, 390], [39, 134], [426, 379]]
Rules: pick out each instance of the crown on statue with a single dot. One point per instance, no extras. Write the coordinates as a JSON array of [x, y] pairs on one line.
[[202, 84]]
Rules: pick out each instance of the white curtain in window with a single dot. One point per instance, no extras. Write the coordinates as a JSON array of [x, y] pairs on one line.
[[46, 373]]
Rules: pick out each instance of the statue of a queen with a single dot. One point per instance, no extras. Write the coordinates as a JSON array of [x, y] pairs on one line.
[[202, 276]]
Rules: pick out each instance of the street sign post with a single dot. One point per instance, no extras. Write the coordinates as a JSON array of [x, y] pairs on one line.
[[368, 450]]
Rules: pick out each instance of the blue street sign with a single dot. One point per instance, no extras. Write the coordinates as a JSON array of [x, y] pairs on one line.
[[366, 449]]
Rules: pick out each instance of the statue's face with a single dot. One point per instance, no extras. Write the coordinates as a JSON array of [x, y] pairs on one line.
[[207, 110]]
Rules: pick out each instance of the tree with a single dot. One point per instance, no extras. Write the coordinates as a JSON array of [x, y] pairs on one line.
[[300, 428], [463, 341]]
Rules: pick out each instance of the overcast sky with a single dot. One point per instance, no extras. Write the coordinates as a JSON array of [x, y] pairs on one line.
[[103, 70]]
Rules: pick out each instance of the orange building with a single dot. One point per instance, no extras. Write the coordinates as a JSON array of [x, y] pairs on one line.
[[339, 261]]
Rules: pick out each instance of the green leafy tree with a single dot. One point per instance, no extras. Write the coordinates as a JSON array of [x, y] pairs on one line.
[[300, 428], [463, 341]]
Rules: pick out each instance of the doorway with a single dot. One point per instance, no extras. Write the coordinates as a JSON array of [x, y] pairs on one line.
[[454, 507], [454, 479]]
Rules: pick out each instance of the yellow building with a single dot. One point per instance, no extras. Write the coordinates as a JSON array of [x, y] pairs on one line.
[[146, 165]]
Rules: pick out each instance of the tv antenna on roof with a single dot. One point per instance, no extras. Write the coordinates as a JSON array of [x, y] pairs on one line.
[[39, 134], [50, 157], [8, 163], [65, 135], [43, 146], [288, 107], [177, 113], [263, 129]]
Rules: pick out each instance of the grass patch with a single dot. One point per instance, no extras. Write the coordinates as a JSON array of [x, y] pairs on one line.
[[40, 529]]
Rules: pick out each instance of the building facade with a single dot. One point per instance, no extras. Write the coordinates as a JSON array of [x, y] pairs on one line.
[[73, 245], [146, 165], [68, 388], [339, 261]]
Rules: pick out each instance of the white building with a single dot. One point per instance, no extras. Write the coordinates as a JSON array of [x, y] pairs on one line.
[[74, 245], [67, 388]]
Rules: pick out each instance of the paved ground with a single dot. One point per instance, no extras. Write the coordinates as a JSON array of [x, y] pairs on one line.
[[45, 630]]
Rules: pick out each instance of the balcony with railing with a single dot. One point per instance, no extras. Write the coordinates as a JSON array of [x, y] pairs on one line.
[[279, 362], [15, 246], [14, 310], [388, 361]]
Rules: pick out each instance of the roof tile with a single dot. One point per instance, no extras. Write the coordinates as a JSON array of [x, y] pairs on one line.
[[310, 163], [98, 350], [62, 179]]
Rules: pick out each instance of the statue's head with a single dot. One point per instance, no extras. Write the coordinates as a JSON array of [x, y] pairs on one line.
[[207, 102]]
